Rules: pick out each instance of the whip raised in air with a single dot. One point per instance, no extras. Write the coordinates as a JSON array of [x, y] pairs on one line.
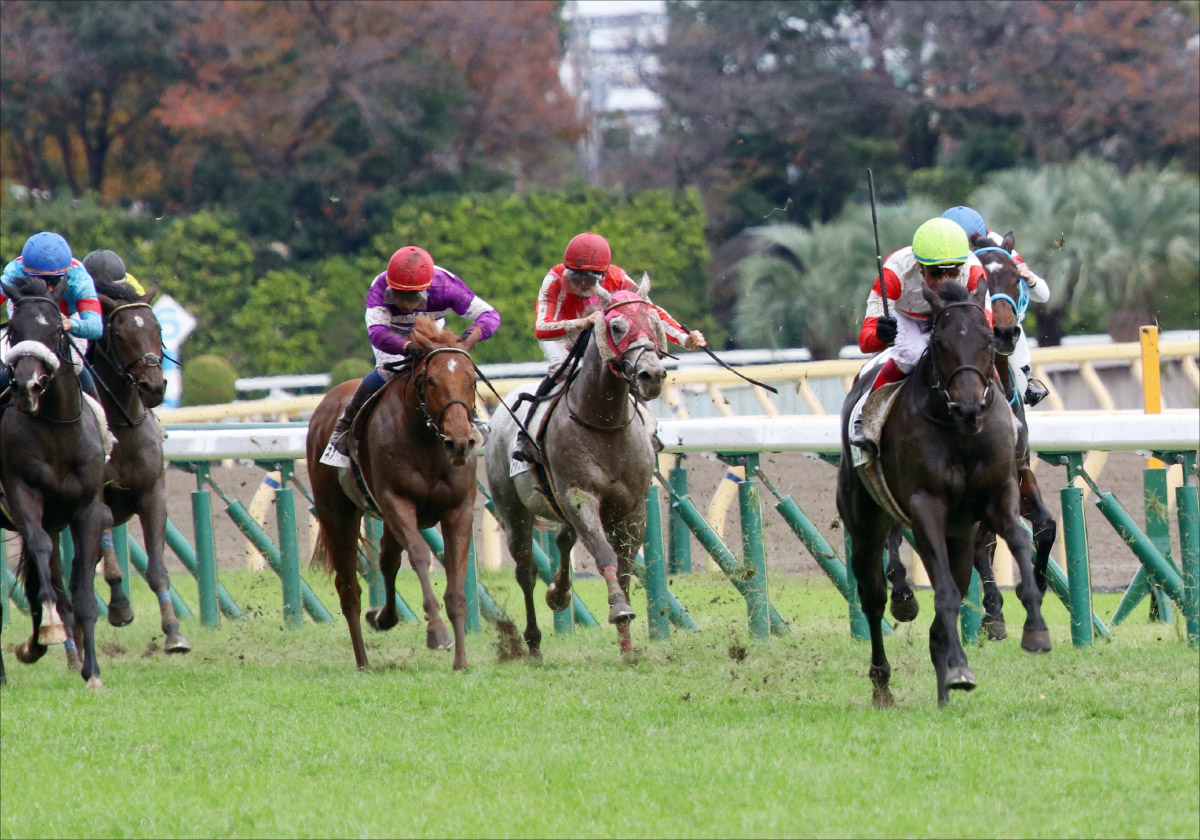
[[878, 253]]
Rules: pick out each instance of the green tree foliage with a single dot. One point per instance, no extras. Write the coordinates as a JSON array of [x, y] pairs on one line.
[[348, 369], [208, 380]]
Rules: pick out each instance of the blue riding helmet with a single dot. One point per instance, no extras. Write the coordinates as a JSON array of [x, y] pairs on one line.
[[968, 219], [45, 253]]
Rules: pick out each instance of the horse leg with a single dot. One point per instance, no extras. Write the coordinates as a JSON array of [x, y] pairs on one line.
[[391, 554], [583, 514], [401, 517], [993, 601], [120, 611], [945, 646], [456, 530], [558, 594], [86, 527], [904, 601], [153, 513], [1045, 529], [626, 538], [1002, 516], [518, 532], [865, 549], [339, 539], [32, 650], [62, 592]]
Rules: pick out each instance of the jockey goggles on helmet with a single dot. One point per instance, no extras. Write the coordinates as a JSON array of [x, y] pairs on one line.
[[583, 282]]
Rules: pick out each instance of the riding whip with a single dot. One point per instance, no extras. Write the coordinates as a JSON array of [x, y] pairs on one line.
[[729, 367], [878, 253]]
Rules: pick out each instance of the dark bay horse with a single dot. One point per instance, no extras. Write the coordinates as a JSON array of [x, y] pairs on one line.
[[127, 362], [599, 459], [1009, 296], [947, 455], [52, 471], [417, 453]]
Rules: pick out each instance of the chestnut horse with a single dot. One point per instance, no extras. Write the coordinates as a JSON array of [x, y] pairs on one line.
[[947, 456], [598, 456], [417, 453], [52, 472], [127, 363]]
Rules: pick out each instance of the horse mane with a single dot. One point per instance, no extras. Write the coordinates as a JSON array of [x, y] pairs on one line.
[[117, 290], [953, 293], [28, 284], [426, 328]]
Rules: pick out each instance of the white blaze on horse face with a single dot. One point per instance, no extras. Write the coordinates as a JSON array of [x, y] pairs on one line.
[[451, 365], [41, 319], [137, 319], [994, 266]]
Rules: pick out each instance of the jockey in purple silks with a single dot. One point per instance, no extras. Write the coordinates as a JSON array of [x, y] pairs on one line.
[[411, 286]]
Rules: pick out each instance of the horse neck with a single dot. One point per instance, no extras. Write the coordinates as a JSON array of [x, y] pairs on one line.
[[597, 394], [63, 399], [117, 391]]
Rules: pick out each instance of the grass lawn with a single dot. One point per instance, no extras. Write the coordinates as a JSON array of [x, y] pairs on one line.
[[266, 732]]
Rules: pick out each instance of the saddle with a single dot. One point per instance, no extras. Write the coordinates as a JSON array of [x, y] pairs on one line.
[[535, 474], [351, 478], [875, 411]]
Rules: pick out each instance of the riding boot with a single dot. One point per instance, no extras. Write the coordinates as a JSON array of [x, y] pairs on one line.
[[890, 372], [1035, 391], [337, 452]]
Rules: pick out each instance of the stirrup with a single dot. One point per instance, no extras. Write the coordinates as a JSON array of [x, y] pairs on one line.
[[1035, 392], [859, 439], [525, 450], [333, 456]]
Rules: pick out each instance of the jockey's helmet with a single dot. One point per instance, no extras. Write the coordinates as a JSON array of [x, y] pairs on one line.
[[46, 253], [968, 219], [940, 242], [588, 252], [105, 265], [410, 269]]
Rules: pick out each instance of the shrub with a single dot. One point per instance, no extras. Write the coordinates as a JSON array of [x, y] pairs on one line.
[[209, 380], [348, 369]]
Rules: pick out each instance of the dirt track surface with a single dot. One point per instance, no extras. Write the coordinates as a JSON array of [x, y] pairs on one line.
[[810, 482]]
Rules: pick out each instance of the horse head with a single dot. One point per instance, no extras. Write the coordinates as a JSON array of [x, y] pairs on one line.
[[634, 340], [35, 338], [962, 352], [1010, 293], [444, 379], [132, 341]]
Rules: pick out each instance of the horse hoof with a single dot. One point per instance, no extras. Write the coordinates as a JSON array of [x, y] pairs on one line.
[[620, 613], [94, 684], [377, 621], [881, 698], [439, 639], [1036, 641], [996, 630], [905, 607], [960, 678], [629, 656], [176, 643], [28, 654], [557, 600], [52, 634], [120, 615]]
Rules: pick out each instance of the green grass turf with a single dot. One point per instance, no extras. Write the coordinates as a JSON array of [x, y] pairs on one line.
[[267, 732]]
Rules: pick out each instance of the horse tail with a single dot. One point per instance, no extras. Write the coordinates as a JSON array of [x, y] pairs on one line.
[[321, 555]]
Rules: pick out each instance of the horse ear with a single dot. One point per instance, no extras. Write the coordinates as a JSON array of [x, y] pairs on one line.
[[933, 298], [979, 240], [471, 340], [980, 295], [643, 286], [150, 293], [604, 294], [13, 293], [107, 304], [59, 290], [1009, 243]]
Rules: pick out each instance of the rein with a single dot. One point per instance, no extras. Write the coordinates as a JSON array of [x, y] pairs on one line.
[[942, 387], [1021, 304], [104, 348], [62, 338]]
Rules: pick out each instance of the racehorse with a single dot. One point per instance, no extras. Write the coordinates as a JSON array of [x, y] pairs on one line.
[[1010, 297], [52, 471], [127, 363], [417, 454], [947, 456], [598, 461]]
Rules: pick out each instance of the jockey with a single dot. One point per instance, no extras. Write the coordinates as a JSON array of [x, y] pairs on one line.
[[1039, 292], [939, 254], [565, 301], [48, 256], [106, 265], [412, 285]]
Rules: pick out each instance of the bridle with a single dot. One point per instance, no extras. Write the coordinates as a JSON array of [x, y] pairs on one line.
[[1021, 304], [60, 338], [421, 388], [943, 386], [105, 347]]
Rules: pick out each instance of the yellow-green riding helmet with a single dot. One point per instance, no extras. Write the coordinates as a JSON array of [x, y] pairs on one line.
[[940, 242]]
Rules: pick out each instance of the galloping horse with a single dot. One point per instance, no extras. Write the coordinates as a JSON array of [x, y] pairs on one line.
[[947, 456], [1010, 296], [416, 451], [127, 362], [598, 460], [52, 471]]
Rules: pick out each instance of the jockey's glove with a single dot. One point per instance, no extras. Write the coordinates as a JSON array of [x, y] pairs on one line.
[[885, 330]]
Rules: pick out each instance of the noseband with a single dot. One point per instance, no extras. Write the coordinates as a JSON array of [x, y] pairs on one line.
[[435, 424], [623, 367], [943, 387]]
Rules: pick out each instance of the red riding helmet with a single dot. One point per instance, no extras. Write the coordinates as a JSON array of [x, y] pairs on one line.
[[410, 269], [588, 252]]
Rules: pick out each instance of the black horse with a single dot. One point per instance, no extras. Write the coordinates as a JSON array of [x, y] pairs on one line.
[[52, 472], [1009, 298], [127, 362], [947, 457]]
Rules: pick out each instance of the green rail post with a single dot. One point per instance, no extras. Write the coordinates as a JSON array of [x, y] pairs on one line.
[[1138, 588], [1079, 584], [1188, 511], [66, 559], [563, 623], [1158, 529], [754, 556], [11, 588], [289, 556], [206, 562], [679, 547], [120, 538], [658, 608], [860, 628], [187, 556], [970, 616], [140, 562], [471, 591], [371, 569], [1160, 569]]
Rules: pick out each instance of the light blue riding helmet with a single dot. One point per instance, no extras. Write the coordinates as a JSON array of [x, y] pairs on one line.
[[968, 219]]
